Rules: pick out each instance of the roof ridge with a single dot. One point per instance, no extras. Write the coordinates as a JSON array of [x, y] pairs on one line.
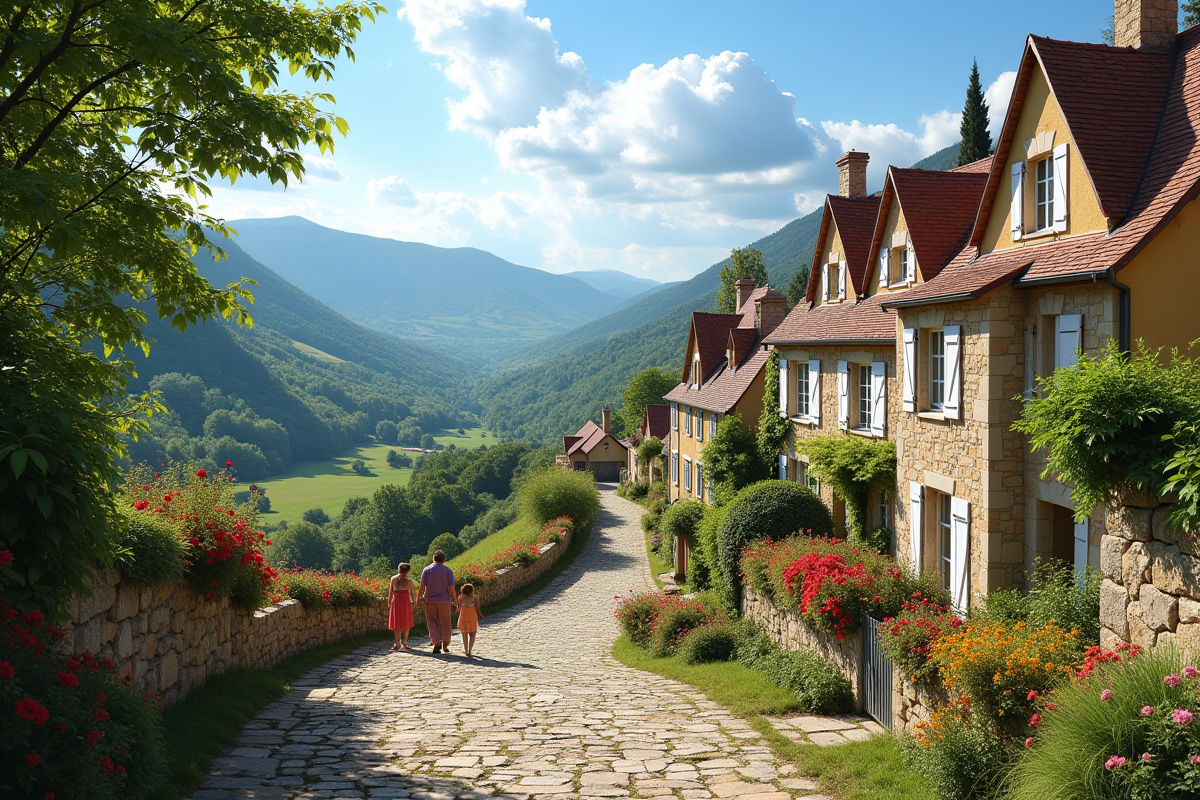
[[1158, 126]]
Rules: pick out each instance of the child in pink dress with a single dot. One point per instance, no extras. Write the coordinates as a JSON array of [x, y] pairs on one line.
[[468, 617], [401, 593]]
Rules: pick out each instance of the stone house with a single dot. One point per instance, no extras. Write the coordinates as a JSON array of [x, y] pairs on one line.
[[722, 374], [1078, 231], [593, 447]]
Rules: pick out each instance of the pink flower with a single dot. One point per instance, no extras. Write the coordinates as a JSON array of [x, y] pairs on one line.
[[1182, 716], [1114, 762], [1106, 695], [1146, 757], [1189, 672], [1032, 695], [1029, 742], [1172, 680], [1035, 720], [1196, 760], [1147, 711]]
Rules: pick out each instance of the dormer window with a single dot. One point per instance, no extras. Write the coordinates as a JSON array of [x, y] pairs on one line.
[[1044, 197], [696, 376], [902, 260]]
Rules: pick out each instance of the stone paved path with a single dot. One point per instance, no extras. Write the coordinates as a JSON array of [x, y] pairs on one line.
[[543, 711]]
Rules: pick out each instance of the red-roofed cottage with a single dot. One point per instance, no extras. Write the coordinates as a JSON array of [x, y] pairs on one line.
[[656, 423], [593, 447]]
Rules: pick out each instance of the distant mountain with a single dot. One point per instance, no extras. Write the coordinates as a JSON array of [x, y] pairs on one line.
[[614, 282], [944, 159], [325, 379], [568, 379], [459, 300]]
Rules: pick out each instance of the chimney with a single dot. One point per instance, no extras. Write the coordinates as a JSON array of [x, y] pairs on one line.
[[745, 288], [1146, 24], [606, 415], [769, 311], [852, 174]]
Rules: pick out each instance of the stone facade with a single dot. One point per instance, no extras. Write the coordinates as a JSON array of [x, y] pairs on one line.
[[171, 639], [1151, 590]]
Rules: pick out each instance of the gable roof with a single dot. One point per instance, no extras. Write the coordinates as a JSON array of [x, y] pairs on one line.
[[939, 211], [709, 333], [1111, 99], [865, 322], [586, 438], [656, 420], [1169, 181], [854, 218]]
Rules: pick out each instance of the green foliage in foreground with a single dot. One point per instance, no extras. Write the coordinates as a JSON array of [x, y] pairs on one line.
[[556, 492], [732, 460], [645, 388]]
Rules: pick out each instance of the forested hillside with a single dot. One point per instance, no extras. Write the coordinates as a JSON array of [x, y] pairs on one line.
[[457, 300], [582, 371], [301, 385]]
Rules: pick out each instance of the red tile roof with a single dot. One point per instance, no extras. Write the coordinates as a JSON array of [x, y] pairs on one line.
[[854, 218], [983, 165], [865, 322], [585, 438], [656, 420], [723, 390], [710, 334]]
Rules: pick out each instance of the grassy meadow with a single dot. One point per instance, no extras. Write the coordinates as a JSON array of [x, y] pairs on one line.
[[328, 484], [498, 542]]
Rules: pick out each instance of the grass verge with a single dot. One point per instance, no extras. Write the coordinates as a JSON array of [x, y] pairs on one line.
[[573, 549], [498, 542], [209, 719], [870, 770]]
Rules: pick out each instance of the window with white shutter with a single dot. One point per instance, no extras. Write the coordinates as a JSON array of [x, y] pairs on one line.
[[1017, 208], [841, 280], [783, 461], [687, 421], [712, 425], [675, 467], [1059, 218], [825, 282], [802, 389], [960, 554], [687, 473], [1043, 195], [885, 267], [1068, 330], [878, 398], [916, 522], [910, 369], [783, 387], [952, 405], [843, 388], [699, 425], [814, 391], [674, 416]]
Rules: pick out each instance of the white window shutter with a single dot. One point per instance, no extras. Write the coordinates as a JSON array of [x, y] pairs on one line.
[[1017, 209], [1060, 187], [910, 369], [878, 398], [782, 467], [825, 282], [910, 274], [814, 391], [1081, 547], [783, 387], [843, 395], [841, 280], [915, 524], [952, 404], [885, 267], [674, 417], [960, 554], [1068, 330]]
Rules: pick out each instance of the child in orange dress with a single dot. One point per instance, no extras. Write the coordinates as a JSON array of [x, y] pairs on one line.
[[468, 617], [401, 593]]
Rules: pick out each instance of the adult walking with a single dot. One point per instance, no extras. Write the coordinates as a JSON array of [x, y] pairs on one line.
[[437, 587]]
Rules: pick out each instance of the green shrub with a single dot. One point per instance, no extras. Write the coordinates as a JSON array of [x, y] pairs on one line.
[[1056, 595], [637, 491], [675, 622], [302, 544], [731, 459], [878, 539], [708, 643], [448, 543], [679, 520], [152, 553], [706, 574], [768, 510], [317, 589], [853, 466], [554, 493], [961, 756], [751, 643], [650, 521], [817, 684]]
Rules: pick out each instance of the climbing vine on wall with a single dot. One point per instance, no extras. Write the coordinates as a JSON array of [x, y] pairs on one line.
[[772, 428], [852, 466]]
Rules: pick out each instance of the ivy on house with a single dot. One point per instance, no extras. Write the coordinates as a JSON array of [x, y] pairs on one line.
[[772, 428], [852, 466]]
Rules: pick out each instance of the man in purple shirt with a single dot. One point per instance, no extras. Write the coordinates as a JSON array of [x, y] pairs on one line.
[[437, 587]]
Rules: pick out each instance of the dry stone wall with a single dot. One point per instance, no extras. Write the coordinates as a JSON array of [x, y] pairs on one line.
[[172, 639]]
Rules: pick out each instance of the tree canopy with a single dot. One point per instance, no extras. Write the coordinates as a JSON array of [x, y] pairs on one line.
[[744, 263], [646, 388], [976, 139], [797, 289]]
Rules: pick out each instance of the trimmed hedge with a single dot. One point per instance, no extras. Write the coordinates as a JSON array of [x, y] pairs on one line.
[[679, 520], [708, 643]]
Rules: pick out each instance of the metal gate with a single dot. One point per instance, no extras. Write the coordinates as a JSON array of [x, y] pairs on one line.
[[876, 674]]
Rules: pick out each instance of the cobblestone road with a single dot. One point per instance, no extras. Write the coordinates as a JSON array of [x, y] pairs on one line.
[[542, 711]]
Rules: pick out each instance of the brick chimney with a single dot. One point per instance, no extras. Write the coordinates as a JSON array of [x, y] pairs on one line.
[[769, 311], [852, 174], [1146, 24], [606, 416], [745, 288]]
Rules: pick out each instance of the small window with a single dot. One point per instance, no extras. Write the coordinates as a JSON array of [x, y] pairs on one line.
[[937, 369], [943, 540], [687, 473], [697, 378], [1044, 198], [883, 513], [675, 468], [674, 417], [687, 421], [712, 425], [802, 389], [699, 481], [902, 260], [864, 396]]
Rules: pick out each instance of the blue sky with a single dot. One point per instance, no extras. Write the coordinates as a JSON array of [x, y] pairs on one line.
[[646, 136]]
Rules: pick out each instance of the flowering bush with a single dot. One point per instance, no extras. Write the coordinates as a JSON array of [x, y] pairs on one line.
[[908, 638], [317, 589], [224, 555], [522, 554], [1004, 668], [71, 727], [960, 754], [1124, 727], [832, 583], [658, 622]]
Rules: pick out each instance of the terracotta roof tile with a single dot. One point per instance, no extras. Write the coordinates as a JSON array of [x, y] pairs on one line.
[[723, 389], [711, 334], [983, 165], [854, 218], [586, 438], [656, 420], [866, 321]]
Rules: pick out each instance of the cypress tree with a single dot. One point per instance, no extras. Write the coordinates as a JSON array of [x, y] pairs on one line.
[[976, 141]]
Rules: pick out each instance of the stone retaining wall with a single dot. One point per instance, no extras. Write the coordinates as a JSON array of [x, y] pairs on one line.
[[172, 639], [1151, 590]]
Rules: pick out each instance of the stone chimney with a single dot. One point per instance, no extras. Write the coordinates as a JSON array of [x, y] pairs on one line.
[[1146, 24], [745, 288], [852, 174], [769, 311], [606, 416]]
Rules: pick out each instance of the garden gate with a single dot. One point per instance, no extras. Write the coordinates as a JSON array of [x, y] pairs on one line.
[[876, 674]]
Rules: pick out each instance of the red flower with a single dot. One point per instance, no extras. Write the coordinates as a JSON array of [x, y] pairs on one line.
[[107, 763], [120, 770], [100, 715], [228, 464], [33, 618], [48, 796], [6, 557], [61, 727], [6, 671], [201, 474], [33, 759], [94, 736], [31, 710], [68, 679]]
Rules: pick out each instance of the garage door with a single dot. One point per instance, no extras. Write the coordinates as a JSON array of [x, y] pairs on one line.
[[607, 471]]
